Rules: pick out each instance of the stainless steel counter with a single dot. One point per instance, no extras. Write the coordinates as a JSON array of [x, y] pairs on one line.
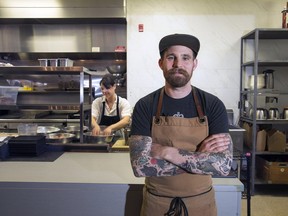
[[88, 184]]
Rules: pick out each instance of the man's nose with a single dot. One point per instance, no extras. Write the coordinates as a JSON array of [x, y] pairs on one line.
[[176, 63]]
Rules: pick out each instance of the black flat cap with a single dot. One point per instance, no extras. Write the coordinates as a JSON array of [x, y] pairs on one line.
[[189, 41]]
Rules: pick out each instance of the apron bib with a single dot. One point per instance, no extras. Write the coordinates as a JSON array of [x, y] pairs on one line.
[[195, 190], [109, 120]]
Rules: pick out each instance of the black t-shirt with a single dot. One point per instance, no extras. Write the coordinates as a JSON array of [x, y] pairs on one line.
[[146, 108]]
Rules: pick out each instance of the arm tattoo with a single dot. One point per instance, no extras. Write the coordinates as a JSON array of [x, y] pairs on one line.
[[143, 164], [208, 163], [194, 162]]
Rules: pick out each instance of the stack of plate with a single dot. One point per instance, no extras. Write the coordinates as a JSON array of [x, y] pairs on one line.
[[27, 145]]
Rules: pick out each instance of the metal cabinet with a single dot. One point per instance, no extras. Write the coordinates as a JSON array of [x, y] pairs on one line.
[[262, 50], [78, 99]]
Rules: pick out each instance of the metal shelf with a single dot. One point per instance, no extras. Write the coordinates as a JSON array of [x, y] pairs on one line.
[[274, 63], [267, 33], [37, 71], [256, 35], [261, 181], [271, 153], [12, 56], [268, 121]]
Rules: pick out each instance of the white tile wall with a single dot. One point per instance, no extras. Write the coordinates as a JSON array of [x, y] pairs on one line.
[[219, 25]]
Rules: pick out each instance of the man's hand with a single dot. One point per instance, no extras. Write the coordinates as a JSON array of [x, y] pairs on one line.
[[157, 151], [215, 143]]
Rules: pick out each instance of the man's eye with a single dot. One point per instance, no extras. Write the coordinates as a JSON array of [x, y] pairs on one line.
[[170, 57], [186, 58]]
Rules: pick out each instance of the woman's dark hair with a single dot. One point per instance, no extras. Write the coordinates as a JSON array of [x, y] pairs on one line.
[[108, 81]]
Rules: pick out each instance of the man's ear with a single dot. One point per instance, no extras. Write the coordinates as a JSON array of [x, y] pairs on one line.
[[160, 63], [195, 64]]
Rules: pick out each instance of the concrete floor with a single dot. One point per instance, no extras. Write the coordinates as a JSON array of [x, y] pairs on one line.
[[268, 200]]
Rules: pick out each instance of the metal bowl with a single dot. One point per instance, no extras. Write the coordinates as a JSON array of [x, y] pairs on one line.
[[117, 69], [47, 129], [75, 129], [97, 139], [60, 138]]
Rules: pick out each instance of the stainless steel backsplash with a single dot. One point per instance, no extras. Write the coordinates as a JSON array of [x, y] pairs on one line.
[[61, 37]]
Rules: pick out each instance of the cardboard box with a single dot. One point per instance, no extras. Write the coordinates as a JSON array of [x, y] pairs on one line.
[[272, 171], [276, 141], [261, 138]]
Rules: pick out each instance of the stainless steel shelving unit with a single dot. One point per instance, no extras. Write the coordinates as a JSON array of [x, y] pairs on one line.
[[43, 100], [254, 41]]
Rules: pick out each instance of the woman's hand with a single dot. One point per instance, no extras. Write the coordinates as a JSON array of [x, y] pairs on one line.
[[107, 131], [96, 130]]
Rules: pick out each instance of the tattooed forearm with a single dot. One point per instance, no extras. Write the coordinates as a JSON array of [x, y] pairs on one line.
[[216, 163], [145, 165]]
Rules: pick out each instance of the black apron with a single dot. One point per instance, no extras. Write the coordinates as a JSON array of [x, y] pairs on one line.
[[109, 120]]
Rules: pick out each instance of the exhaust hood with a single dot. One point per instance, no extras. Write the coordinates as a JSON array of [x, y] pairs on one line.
[[64, 11]]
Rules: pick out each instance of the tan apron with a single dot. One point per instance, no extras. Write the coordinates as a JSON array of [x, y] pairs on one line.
[[195, 191]]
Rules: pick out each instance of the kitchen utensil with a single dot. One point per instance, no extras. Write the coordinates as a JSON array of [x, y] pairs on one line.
[[61, 138], [285, 113], [273, 113], [75, 129], [260, 81], [269, 79], [117, 69], [261, 113], [47, 129], [98, 139]]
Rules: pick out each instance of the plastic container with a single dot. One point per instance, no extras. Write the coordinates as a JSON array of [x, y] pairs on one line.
[[27, 129], [8, 95], [53, 62], [43, 62], [65, 62]]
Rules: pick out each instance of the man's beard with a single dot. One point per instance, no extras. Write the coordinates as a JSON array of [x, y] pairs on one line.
[[176, 80]]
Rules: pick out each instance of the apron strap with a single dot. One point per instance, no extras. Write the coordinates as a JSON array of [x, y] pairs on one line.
[[177, 204], [117, 106], [198, 106], [176, 207], [159, 107]]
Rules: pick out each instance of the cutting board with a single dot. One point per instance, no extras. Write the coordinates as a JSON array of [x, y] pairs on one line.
[[120, 146]]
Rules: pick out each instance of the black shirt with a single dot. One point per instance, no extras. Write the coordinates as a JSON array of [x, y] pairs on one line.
[[146, 107]]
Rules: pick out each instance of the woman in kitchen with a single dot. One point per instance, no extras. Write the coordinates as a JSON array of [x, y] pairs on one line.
[[110, 110]]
